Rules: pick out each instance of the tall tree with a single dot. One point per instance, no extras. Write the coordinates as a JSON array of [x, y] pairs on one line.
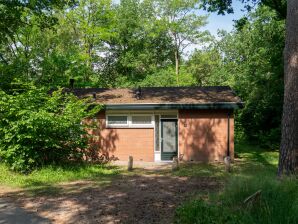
[[289, 142], [139, 48], [183, 23], [18, 18], [92, 22], [11, 14]]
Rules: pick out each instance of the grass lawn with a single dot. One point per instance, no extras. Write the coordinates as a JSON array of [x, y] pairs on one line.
[[47, 178], [254, 169]]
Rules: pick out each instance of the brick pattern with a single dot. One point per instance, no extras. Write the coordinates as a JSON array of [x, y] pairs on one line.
[[124, 142], [203, 135]]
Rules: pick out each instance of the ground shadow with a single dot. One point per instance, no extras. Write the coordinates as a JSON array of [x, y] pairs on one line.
[[10, 213], [131, 198]]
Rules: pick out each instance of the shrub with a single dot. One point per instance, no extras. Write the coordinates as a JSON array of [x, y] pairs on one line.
[[37, 128]]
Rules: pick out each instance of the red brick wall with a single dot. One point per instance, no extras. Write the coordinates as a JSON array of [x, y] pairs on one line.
[[124, 142], [203, 135]]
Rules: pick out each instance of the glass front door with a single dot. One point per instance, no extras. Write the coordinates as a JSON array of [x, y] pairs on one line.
[[169, 140]]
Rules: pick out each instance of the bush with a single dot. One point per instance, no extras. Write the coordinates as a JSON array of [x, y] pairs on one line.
[[278, 203], [37, 128]]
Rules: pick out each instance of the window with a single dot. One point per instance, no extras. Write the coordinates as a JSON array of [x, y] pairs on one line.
[[130, 121], [141, 119], [117, 120]]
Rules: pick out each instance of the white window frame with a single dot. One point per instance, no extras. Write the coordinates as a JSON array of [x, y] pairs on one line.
[[129, 121], [141, 125], [116, 125]]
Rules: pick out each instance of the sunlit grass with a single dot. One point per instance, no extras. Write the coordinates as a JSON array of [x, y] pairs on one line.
[[51, 175]]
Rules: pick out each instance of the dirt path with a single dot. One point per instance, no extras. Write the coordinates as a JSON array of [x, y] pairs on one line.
[[146, 198]]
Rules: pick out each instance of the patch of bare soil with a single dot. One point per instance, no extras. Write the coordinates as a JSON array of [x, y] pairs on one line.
[[128, 199]]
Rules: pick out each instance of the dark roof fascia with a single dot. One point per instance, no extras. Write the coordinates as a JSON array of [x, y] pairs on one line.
[[223, 105]]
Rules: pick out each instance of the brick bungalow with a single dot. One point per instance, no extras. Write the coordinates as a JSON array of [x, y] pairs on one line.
[[158, 123]]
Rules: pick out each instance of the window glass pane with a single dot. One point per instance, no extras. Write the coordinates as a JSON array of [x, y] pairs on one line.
[[169, 136], [141, 119], [117, 119]]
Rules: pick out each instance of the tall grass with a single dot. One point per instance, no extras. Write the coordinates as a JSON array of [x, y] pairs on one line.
[[255, 170], [278, 203]]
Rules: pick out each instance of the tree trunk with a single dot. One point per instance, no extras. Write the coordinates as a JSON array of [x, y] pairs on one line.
[[289, 139], [177, 65]]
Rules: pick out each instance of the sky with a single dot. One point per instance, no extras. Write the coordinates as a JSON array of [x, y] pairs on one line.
[[218, 22], [223, 22]]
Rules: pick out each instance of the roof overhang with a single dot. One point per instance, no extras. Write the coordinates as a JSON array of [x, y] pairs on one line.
[[169, 106]]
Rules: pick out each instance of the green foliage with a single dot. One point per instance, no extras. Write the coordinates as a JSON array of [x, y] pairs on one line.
[[167, 77], [11, 13], [183, 23], [140, 46], [250, 61], [99, 43], [206, 66], [254, 57], [278, 203], [38, 128], [49, 56]]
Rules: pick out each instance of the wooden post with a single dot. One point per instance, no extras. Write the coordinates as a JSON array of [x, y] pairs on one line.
[[175, 164], [227, 161], [130, 163]]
